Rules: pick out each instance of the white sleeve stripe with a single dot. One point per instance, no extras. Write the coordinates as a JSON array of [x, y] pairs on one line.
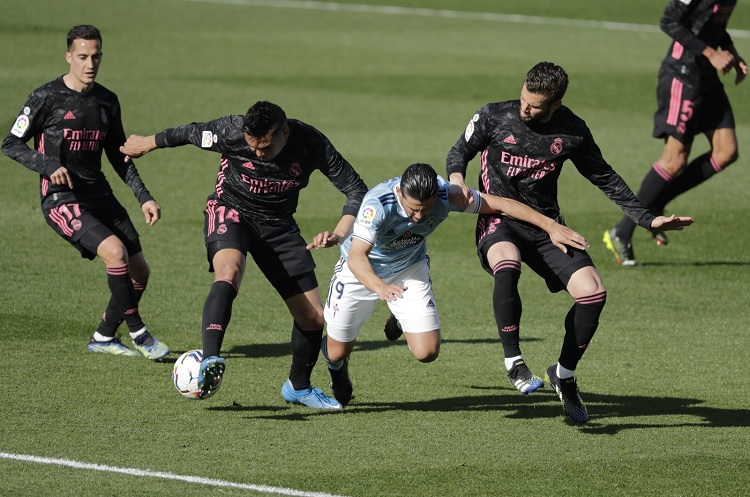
[[364, 234], [369, 242]]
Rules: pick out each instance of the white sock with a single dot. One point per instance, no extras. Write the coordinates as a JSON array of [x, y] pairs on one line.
[[101, 338], [564, 372], [510, 360], [138, 333]]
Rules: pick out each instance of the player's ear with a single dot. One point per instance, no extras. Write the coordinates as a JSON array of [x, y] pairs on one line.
[[556, 105]]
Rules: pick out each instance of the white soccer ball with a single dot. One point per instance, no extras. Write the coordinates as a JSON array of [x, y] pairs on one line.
[[185, 375]]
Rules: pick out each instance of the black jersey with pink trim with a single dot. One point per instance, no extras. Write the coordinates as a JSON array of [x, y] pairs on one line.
[[72, 129], [694, 25], [523, 161], [268, 190]]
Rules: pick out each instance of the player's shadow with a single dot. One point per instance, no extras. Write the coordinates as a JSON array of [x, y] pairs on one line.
[[268, 350], [379, 344], [279, 412], [608, 414], [696, 264], [259, 350]]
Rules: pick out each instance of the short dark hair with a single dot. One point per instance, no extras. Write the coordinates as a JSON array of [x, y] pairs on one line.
[[547, 79], [83, 32], [419, 182], [262, 118]]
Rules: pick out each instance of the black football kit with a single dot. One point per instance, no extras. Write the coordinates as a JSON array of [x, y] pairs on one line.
[[262, 190], [691, 97], [72, 129], [693, 26], [691, 100], [524, 161], [251, 210]]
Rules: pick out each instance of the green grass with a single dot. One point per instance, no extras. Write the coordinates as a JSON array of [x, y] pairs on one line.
[[664, 378]]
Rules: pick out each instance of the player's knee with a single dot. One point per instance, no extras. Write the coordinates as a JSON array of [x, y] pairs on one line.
[[724, 159], [140, 280], [595, 288], [228, 271], [336, 355], [140, 273], [310, 321], [673, 166], [427, 356], [596, 299], [112, 253], [335, 351], [426, 352], [313, 324]]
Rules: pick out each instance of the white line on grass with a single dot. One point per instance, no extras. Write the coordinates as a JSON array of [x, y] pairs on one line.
[[453, 14], [167, 476]]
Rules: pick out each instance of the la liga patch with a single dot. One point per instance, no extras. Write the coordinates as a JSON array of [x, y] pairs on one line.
[[20, 126], [207, 139], [366, 217]]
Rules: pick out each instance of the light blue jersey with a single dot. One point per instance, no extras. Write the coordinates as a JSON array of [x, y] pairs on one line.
[[397, 242]]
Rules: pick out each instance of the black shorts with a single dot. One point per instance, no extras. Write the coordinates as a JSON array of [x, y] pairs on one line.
[[537, 250], [684, 111], [86, 224], [280, 252]]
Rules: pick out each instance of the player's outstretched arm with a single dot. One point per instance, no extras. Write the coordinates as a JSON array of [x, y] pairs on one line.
[[138, 146], [560, 235], [671, 223], [327, 239]]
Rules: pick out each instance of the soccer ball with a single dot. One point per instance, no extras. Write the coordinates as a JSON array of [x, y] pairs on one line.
[[185, 375]]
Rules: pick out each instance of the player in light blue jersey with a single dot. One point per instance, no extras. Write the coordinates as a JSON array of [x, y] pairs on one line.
[[385, 258]]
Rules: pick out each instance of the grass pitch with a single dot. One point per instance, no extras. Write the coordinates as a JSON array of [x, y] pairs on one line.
[[663, 379]]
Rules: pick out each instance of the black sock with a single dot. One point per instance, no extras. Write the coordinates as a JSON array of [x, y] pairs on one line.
[[123, 296], [699, 170], [506, 304], [217, 311], [580, 326], [305, 350], [113, 318], [655, 181]]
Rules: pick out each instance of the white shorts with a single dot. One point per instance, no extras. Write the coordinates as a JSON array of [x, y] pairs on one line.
[[350, 303]]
